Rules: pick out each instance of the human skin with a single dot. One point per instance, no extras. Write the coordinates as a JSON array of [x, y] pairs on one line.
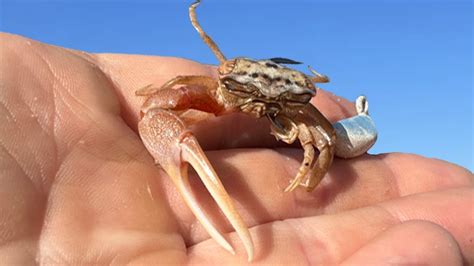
[[77, 186]]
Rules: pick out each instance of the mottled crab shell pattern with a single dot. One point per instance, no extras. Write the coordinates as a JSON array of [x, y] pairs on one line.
[[272, 80]]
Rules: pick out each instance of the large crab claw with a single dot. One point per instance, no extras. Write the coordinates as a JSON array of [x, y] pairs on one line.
[[173, 147]]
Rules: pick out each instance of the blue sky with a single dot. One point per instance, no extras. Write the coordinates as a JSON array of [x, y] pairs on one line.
[[412, 59]]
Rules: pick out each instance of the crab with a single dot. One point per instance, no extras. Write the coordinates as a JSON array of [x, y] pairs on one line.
[[260, 88]]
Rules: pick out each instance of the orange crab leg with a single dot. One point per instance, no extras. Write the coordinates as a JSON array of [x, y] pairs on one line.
[[198, 96], [313, 131]]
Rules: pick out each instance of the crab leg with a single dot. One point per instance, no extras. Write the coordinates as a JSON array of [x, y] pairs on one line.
[[313, 131], [324, 139], [192, 15], [197, 96], [322, 164], [305, 138], [179, 80]]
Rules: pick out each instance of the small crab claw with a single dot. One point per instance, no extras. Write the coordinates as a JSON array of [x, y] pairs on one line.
[[173, 146]]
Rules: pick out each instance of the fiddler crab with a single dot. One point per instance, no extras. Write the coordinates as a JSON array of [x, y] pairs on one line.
[[261, 88]]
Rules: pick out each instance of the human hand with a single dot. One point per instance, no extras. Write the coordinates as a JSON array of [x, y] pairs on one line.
[[78, 186]]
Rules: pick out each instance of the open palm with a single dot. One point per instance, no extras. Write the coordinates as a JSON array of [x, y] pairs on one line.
[[78, 186]]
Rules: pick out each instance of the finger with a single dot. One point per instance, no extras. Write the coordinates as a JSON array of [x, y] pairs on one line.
[[130, 73], [433, 246], [255, 179], [22, 199], [331, 239], [106, 201], [38, 101], [91, 194]]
